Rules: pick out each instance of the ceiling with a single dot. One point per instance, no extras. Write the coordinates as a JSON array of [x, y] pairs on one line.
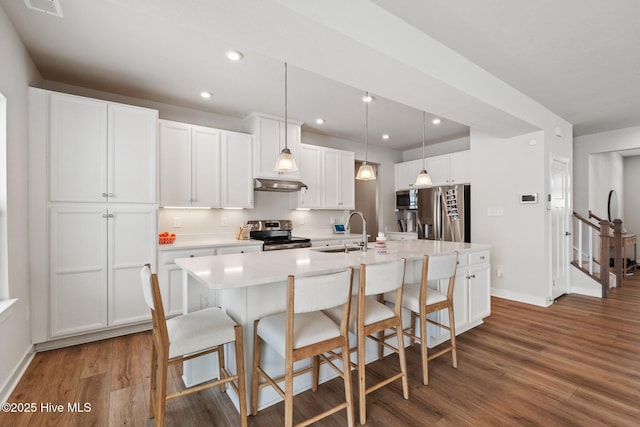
[[579, 58]]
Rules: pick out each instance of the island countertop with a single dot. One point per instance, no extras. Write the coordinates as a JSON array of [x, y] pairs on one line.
[[251, 269]]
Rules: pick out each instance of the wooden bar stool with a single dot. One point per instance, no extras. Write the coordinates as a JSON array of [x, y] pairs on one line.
[[421, 300], [371, 317], [186, 337], [304, 331]]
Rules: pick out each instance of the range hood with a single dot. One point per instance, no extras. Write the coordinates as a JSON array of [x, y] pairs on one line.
[[263, 184]]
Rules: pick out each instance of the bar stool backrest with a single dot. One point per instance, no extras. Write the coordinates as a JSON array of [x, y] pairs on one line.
[[317, 293], [385, 277]]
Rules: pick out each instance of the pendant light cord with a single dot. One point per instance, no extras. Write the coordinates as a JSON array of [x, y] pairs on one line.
[[366, 129], [286, 125], [424, 118]]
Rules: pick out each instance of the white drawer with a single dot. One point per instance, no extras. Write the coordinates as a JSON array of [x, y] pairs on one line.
[[463, 260], [481, 257], [238, 249], [169, 257]]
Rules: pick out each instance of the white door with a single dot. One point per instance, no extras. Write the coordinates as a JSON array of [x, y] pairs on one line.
[[132, 154], [175, 164], [560, 235], [205, 152], [132, 243], [438, 168], [237, 182], [78, 270], [267, 148], [310, 173], [78, 131], [347, 180], [331, 179]]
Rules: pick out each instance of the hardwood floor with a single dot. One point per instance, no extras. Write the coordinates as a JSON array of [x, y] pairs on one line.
[[574, 363]]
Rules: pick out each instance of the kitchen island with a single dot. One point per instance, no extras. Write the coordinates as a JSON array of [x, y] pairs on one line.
[[253, 285]]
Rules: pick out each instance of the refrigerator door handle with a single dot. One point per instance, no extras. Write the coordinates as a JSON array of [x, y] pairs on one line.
[[437, 214]]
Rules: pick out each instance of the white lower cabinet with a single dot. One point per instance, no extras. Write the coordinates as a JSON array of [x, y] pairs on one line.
[[471, 295], [95, 259], [170, 277]]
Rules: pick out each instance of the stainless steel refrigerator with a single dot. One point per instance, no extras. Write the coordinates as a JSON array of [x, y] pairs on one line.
[[444, 213]]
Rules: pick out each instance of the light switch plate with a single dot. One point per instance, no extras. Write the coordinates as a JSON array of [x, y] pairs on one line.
[[495, 212]]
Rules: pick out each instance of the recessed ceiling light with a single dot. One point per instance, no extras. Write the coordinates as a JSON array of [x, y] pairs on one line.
[[234, 55], [205, 95], [319, 121], [385, 136], [367, 98], [436, 121]]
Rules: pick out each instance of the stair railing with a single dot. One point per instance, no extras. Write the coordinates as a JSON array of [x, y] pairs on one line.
[[599, 239]]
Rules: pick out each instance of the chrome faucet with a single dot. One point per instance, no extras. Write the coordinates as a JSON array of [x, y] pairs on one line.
[[363, 244]]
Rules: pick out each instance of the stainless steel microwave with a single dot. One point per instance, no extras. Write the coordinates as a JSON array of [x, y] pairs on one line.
[[407, 199]]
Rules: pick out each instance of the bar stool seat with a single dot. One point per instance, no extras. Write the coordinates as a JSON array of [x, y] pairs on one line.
[[309, 328], [411, 297], [201, 329]]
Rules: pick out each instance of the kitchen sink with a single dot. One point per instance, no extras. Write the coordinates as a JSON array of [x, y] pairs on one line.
[[336, 249]]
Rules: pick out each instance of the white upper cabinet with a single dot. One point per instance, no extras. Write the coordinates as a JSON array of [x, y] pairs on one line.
[[406, 174], [438, 168], [132, 154], [338, 179], [330, 177], [237, 181], [269, 140], [310, 164], [459, 165], [205, 167], [448, 169], [175, 164], [189, 165], [117, 145], [78, 130]]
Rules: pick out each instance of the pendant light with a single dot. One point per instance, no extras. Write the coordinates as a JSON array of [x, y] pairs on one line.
[[285, 161], [365, 171], [423, 178]]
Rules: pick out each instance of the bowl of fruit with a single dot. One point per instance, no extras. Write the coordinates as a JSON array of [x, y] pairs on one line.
[[166, 238]]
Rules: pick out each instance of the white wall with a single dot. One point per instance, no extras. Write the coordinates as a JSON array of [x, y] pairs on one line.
[[606, 173], [584, 146], [447, 147], [17, 72], [502, 168], [631, 196]]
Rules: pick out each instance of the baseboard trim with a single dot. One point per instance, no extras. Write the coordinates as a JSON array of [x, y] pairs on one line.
[[17, 374], [589, 292], [90, 337], [525, 298]]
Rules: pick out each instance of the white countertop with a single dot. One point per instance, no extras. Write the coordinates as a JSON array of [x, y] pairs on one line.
[[227, 239], [250, 269]]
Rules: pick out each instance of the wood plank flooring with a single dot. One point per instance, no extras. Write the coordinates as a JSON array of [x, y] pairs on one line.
[[574, 363]]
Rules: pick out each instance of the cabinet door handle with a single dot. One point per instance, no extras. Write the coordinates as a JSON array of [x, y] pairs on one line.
[[107, 194], [482, 257], [107, 215]]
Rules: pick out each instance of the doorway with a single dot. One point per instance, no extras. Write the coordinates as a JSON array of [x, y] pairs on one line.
[[366, 201], [560, 235]]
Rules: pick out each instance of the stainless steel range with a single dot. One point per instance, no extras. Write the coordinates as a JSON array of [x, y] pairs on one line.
[[276, 235]]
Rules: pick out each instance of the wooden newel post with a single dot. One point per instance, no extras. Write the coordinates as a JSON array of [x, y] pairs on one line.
[[604, 257], [618, 263]]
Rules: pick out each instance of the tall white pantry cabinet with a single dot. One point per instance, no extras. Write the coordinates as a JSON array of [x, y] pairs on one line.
[[93, 213]]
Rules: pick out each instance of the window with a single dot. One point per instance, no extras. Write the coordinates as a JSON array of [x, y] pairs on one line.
[[4, 285]]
